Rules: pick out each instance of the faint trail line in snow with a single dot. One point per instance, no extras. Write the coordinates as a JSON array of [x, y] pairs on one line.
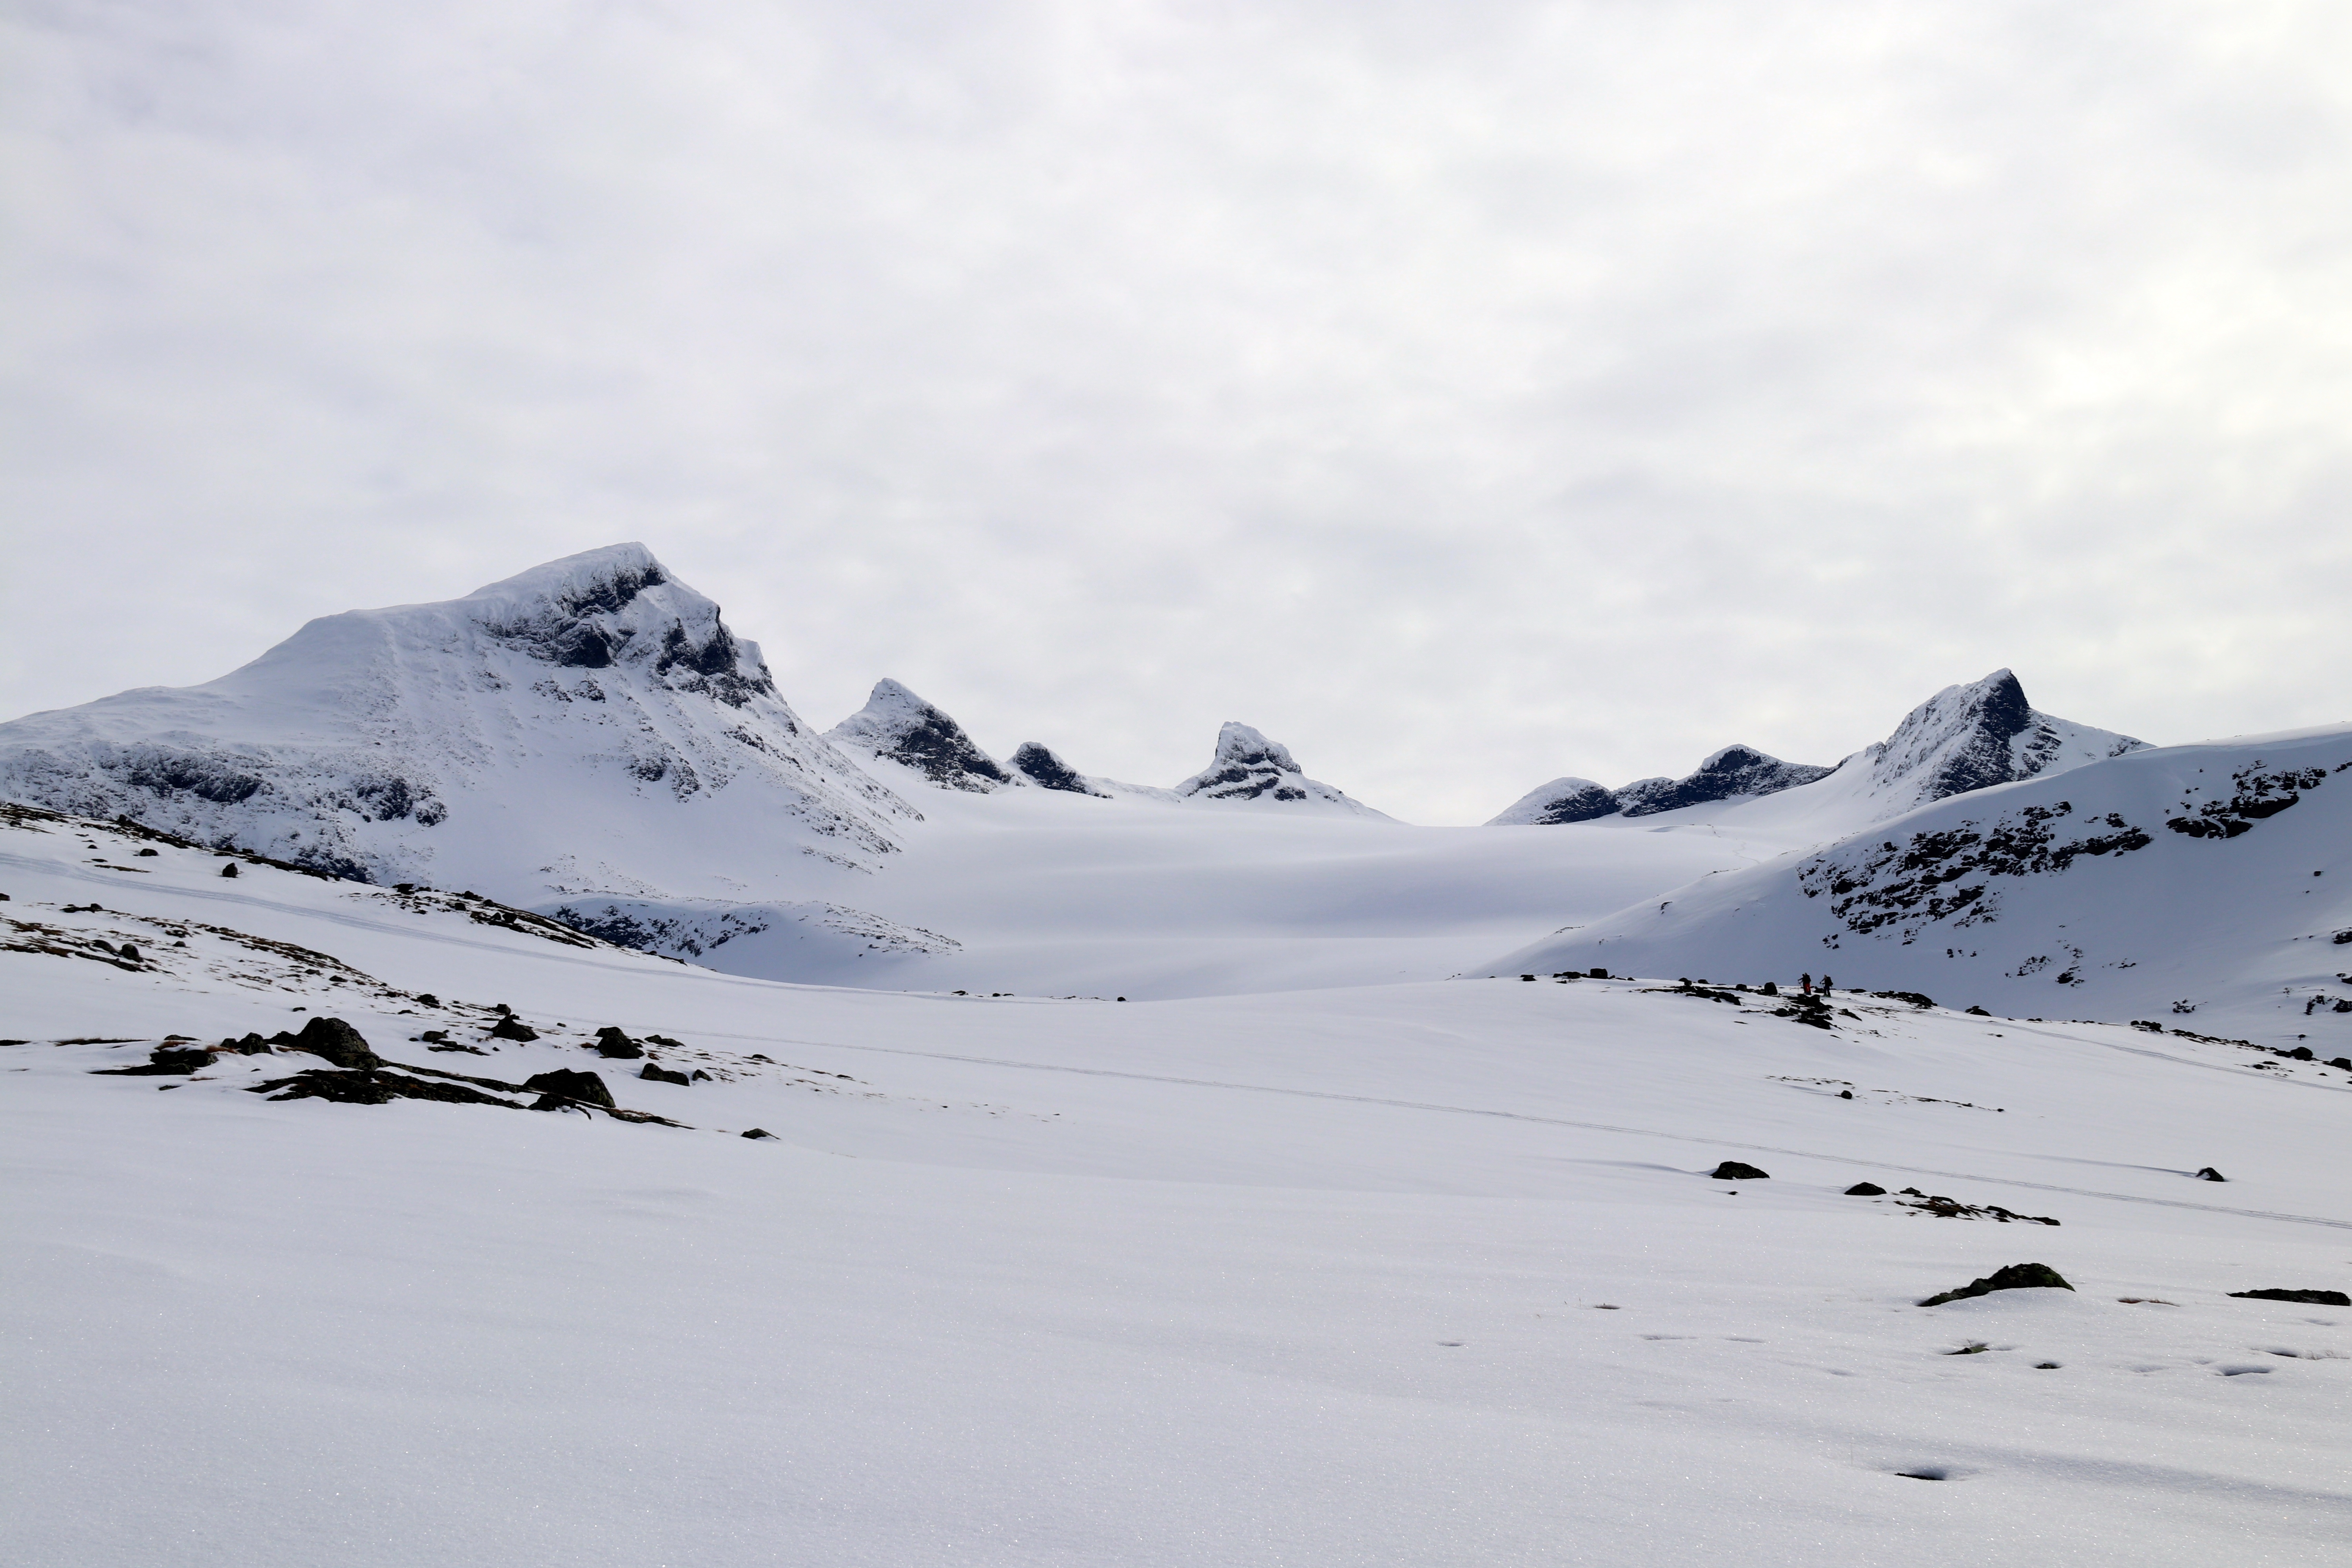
[[1544, 1121]]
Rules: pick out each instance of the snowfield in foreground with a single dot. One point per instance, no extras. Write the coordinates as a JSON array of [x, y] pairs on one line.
[[1428, 1273]]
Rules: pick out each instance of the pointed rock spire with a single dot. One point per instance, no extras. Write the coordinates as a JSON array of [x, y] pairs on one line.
[[900, 727], [1249, 767]]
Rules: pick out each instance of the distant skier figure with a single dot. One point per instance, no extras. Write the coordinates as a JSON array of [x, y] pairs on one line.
[[1825, 984], [1807, 981]]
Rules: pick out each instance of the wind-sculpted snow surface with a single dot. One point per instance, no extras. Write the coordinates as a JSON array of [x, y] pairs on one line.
[[900, 727], [594, 704], [1249, 768], [2192, 880], [354, 1227]]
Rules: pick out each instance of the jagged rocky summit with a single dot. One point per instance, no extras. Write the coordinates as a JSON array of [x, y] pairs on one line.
[[1041, 766], [1249, 768], [591, 719], [1965, 738], [898, 726]]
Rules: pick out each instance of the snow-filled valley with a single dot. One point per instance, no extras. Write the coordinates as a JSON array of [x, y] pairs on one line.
[[932, 1154]]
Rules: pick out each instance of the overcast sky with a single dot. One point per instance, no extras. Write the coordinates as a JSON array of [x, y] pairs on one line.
[[1466, 394]]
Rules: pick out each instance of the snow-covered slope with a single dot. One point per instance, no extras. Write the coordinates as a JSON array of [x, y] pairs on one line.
[[2207, 886], [1964, 738], [1430, 1274], [590, 724], [898, 726], [1249, 769]]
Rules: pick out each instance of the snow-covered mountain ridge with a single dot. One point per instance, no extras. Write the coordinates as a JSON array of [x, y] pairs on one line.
[[591, 708], [1965, 737], [2213, 880]]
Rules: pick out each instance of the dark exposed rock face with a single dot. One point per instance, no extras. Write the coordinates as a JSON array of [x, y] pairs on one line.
[[2255, 795], [611, 1042], [1562, 801], [1952, 874], [2309, 1298], [333, 1039], [1731, 773], [1047, 771], [2016, 1277], [897, 724], [372, 1087], [565, 1084]]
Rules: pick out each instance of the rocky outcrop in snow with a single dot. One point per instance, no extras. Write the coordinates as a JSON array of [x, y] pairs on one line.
[[594, 702], [1729, 774], [1251, 768], [1561, 800], [898, 726], [1042, 767]]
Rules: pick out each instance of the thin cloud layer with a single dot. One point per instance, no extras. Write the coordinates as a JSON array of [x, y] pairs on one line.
[[1464, 396]]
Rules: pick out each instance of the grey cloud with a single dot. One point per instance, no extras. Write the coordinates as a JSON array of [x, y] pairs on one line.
[[1464, 396]]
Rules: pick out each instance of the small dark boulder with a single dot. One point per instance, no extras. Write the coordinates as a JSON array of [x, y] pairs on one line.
[[2300, 1053], [611, 1042], [130, 952], [1733, 1171], [663, 1075], [2343, 1064], [1981, 1013], [1771, 988], [2016, 1277], [2207, 1174], [1590, 975], [1865, 1190], [229, 869], [250, 1046], [509, 1028], [665, 1041], [2309, 1298], [333, 1039], [427, 999], [566, 1086], [762, 1132]]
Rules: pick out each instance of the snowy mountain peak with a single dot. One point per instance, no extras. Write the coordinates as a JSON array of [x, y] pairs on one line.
[[900, 727], [1249, 767], [616, 606], [564, 717], [1976, 735], [1561, 801], [1040, 765]]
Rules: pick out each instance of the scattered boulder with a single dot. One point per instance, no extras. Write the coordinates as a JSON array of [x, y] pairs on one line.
[[250, 1046], [2309, 1298], [509, 1028], [372, 1087], [762, 1132], [1865, 1190], [333, 1039], [1770, 988], [567, 1086], [612, 1043], [2207, 1174], [427, 999], [2343, 1064], [1733, 1171], [229, 869], [665, 1041], [2016, 1277], [663, 1075], [130, 951], [1981, 1013]]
